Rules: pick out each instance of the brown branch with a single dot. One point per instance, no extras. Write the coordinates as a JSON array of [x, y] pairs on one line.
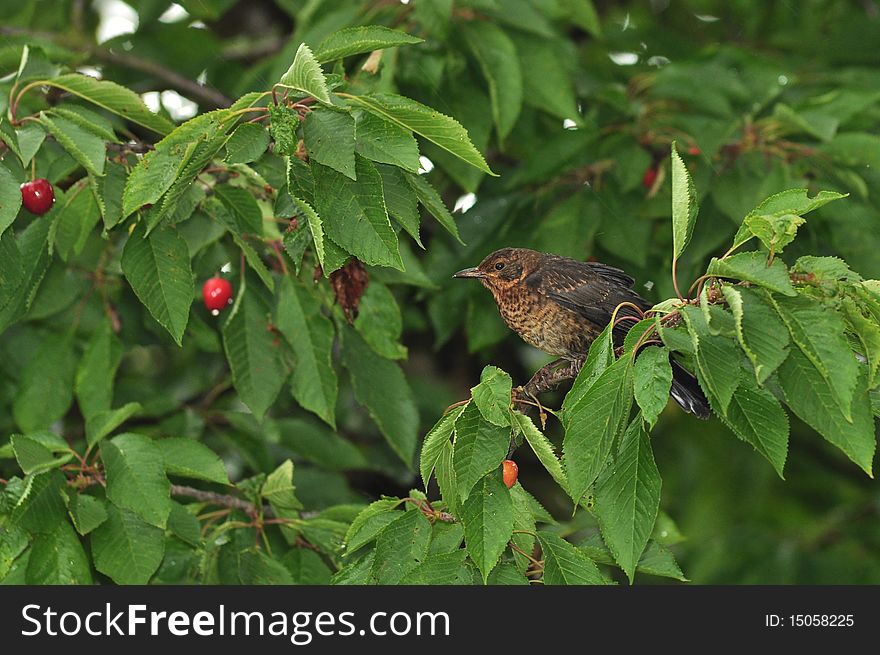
[[223, 500]]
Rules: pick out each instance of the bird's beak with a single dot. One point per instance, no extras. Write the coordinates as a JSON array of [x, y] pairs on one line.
[[470, 272]]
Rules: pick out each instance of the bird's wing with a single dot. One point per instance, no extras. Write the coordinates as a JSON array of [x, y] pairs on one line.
[[590, 289]]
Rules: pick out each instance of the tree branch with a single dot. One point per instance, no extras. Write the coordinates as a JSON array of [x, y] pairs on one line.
[[224, 500]]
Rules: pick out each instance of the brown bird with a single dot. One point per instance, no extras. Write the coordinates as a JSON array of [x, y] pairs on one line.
[[560, 305]]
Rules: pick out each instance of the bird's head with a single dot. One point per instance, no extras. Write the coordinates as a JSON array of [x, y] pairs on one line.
[[503, 268]]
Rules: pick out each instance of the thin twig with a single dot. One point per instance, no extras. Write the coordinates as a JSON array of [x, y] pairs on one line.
[[223, 500]]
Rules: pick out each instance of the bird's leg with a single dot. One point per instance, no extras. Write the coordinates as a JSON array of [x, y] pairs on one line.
[[543, 379]]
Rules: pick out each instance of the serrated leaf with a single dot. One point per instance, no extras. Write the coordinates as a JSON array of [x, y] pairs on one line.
[[442, 130], [305, 75], [10, 138], [34, 457], [717, 359], [96, 370], [253, 353], [564, 564], [126, 548], [136, 478], [86, 512], [367, 525], [247, 143], [479, 448], [497, 57], [114, 98], [357, 40], [819, 334], [628, 497], [102, 423], [752, 267], [355, 214], [435, 442], [34, 259], [45, 389], [547, 80], [329, 139], [652, 379], [492, 395], [774, 231], [382, 141], [761, 334], [58, 558], [379, 321], [808, 394], [868, 333], [10, 199], [158, 269], [311, 335], [440, 569], [400, 200], [593, 423], [243, 208], [487, 515], [684, 205], [430, 200], [87, 149], [599, 358], [402, 545], [41, 507], [279, 488], [75, 219], [755, 416], [381, 387], [189, 458], [542, 448], [283, 122]]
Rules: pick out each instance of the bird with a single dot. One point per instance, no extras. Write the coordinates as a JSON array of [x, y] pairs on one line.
[[560, 305]]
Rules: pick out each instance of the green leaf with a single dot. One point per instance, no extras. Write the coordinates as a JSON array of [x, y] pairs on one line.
[[386, 142], [75, 219], [868, 332], [546, 78], [97, 368], [430, 200], [599, 358], [381, 387], [401, 201], [583, 14], [311, 335], [45, 389], [628, 497], [523, 525], [114, 98], [355, 214], [125, 548], [247, 143], [27, 264], [755, 416], [86, 119], [593, 423], [487, 515], [542, 448], [761, 334], [684, 205], [367, 525], [10, 199], [283, 122], [498, 60], [110, 190], [100, 424], [189, 458], [253, 352], [826, 269], [34, 457], [443, 131], [402, 545], [258, 568], [305, 75], [87, 149], [357, 40], [86, 512], [479, 448], [657, 560], [243, 208], [316, 227], [10, 138], [321, 446], [30, 139], [718, 369], [41, 506], [58, 558], [329, 139], [812, 399], [652, 379], [774, 231], [566, 565], [279, 490], [136, 477], [158, 269], [492, 396], [818, 332], [184, 525], [441, 569], [752, 267], [435, 442], [379, 321]]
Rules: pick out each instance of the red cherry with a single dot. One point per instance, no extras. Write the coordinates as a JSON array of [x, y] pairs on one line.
[[694, 150], [37, 196], [649, 178], [511, 470], [217, 293]]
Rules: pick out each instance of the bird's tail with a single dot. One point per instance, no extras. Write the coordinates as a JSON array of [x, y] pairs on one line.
[[687, 393]]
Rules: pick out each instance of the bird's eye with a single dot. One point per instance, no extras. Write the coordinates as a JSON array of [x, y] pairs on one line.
[[499, 266]]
